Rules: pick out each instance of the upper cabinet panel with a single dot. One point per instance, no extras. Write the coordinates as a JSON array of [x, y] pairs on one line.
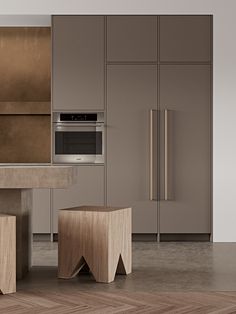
[[131, 38], [185, 38], [78, 62]]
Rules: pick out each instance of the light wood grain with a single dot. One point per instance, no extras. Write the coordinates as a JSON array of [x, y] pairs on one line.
[[19, 203], [7, 254], [97, 236]]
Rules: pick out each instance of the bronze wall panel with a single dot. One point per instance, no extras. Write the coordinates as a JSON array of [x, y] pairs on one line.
[[29, 107], [25, 64], [25, 94], [25, 139]]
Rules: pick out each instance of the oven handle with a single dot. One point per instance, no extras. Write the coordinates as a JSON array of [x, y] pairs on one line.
[[58, 124]]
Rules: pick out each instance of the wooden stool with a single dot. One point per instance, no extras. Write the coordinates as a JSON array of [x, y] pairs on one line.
[[7, 254], [97, 236]]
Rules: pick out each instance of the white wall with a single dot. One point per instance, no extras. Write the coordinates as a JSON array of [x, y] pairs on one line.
[[25, 20], [224, 102]]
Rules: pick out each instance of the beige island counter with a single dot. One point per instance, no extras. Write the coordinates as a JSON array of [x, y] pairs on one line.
[[16, 184]]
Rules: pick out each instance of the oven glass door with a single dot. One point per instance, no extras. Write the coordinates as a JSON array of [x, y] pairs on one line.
[[74, 144]]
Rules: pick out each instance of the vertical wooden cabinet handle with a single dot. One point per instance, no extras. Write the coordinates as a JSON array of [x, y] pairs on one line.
[[166, 155], [153, 157]]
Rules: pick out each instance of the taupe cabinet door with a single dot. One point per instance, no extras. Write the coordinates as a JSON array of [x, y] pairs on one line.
[[185, 38], [41, 213], [131, 93], [185, 91], [78, 62], [131, 38], [88, 191]]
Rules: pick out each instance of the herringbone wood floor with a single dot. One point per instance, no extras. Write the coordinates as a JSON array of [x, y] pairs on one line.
[[75, 301], [157, 269]]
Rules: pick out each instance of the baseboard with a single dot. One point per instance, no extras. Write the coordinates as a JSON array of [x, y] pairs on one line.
[[185, 237], [136, 237], [41, 237], [144, 237], [55, 237]]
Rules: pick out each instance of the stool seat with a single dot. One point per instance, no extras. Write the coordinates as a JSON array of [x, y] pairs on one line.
[[97, 236], [7, 254]]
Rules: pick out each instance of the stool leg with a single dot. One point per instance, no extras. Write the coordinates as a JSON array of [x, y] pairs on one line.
[[18, 202], [70, 255], [106, 273], [117, 247], [119, 252], [100, 268], [7, 254], [124, 266]]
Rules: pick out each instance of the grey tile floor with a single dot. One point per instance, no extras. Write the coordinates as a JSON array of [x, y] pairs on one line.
[[156, 267]]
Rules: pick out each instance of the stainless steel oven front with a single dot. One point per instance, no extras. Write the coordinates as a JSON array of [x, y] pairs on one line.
[[78, 137]]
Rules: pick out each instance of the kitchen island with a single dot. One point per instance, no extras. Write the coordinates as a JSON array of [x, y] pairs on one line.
[[16, 184]]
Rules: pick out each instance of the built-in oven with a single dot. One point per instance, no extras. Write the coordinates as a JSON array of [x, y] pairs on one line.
[[78, 137]]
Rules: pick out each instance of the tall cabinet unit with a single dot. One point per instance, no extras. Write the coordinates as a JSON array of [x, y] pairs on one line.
[[159, 123], [185, 70], [187, 179], [78, 86], [131, 94]]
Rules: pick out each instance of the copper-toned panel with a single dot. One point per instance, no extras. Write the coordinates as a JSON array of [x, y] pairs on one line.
[[25, 64], [25, 138], [25, 107]]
